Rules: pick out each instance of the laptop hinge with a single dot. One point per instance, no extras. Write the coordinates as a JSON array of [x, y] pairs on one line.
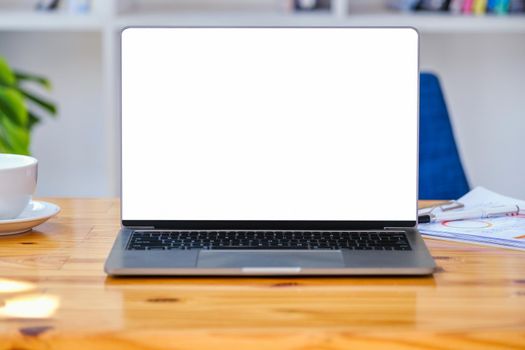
[[140, 227], [396, 228]]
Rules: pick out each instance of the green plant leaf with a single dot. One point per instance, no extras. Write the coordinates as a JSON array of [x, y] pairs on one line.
[[44, 82], [33, 119], [12, 104], [4, 146], [13, 137], [7, 77], [47, 105], [16, 120]]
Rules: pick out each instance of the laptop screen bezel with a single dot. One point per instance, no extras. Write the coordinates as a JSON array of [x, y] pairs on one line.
[[268, 224]]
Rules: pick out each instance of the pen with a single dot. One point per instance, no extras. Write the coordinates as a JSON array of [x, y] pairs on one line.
[[469, 214]]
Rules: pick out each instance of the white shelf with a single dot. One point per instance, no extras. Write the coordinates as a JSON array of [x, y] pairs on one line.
[[442, 23], [438, 23], [428, 23], [229, 18], [33, 21]]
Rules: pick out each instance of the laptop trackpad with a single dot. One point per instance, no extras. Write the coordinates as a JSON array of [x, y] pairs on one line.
[[270, 258]]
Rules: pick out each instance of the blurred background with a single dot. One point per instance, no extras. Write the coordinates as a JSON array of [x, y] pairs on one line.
[[477, 48]]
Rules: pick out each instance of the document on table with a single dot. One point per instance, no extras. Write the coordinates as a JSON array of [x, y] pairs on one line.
[[504, 231]]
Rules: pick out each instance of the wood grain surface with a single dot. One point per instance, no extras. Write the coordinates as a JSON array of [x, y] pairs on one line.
[[55, 295]]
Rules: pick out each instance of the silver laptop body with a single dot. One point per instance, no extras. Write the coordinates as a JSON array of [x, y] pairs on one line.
[[269, 151]]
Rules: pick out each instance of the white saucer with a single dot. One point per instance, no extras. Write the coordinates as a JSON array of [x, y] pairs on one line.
[[33, 215]]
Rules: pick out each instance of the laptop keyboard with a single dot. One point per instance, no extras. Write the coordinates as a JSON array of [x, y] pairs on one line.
[[307, 240]]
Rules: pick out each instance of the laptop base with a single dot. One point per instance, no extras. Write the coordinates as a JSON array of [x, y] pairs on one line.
[[200, 262]]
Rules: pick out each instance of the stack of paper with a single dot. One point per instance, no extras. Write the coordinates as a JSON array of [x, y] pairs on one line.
[[503, 231]]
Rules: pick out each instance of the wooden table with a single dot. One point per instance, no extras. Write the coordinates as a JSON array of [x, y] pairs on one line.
[[475, 300]]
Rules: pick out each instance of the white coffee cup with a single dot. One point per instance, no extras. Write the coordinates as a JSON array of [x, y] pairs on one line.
[[18, 176]]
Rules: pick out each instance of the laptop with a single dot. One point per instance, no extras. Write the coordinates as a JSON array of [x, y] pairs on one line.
[[269, 151]]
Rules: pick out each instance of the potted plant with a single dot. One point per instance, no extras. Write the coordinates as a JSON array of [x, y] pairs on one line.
[[18, 114]]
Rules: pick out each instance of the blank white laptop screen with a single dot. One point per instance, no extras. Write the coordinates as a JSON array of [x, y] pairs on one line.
[[269, 124]]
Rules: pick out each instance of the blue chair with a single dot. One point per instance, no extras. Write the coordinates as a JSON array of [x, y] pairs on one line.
[[441, 175]]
